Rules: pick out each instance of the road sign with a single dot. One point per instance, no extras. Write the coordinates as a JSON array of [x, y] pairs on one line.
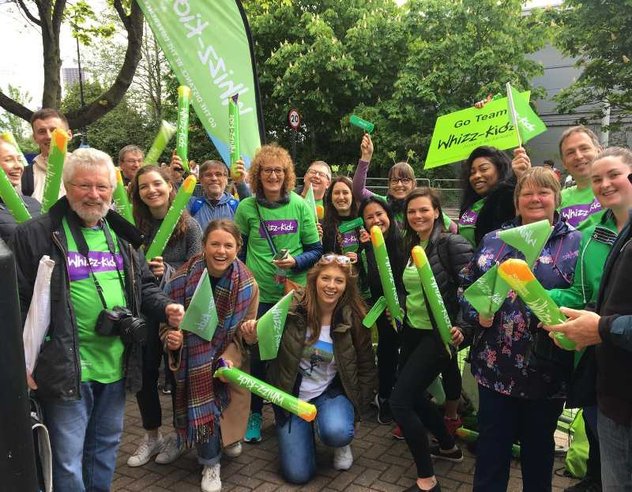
[[294, 119]]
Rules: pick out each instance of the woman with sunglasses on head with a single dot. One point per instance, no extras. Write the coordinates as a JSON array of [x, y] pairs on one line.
[[280, 242], [423, 355], [376, 212], [340, 208], [207, 411], [152, 194], [325, 357]]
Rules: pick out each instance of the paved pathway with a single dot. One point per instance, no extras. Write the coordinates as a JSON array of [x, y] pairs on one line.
[[381, 464]]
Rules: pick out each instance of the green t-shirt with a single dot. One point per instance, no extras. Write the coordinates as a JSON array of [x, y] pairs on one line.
[[416, 309], [577, 205], [290, 226], [468, 219], [101, 357]]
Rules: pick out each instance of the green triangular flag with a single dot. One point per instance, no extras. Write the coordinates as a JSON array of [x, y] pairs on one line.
[[529, 239], [201, 315], [488, 293], [522, 116], [311, 201], [270, 327]]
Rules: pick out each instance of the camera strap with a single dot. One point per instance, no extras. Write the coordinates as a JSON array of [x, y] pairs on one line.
[[82, 249]]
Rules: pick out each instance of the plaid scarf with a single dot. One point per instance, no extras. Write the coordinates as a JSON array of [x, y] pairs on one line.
[[199, 397]]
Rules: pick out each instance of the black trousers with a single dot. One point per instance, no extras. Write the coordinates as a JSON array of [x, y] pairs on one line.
[[412, 410]]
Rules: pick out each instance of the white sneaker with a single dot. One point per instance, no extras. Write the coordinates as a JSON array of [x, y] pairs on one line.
[[233, 450], [210, 479], [170, 451], [145, 450], [343, 458]]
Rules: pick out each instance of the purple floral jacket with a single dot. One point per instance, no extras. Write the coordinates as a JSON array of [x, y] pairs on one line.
[[514, 357]]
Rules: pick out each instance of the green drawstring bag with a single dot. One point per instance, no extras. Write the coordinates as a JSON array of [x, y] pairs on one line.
[[577, 454]]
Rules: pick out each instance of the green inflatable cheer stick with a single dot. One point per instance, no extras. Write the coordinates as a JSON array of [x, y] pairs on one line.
[[367, 126], [121, 201], [521, 279], [56, 158], [431, 289], [171, 219], [300, 408], [165, 133], [386, 275], [9, 138], [182, 135], [12, 199], [233, 133], [350, 225]]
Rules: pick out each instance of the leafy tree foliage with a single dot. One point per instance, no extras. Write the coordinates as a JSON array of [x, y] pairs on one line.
[[597, 34], [399, 67]]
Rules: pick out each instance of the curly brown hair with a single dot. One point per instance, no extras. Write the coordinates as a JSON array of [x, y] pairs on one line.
[[272, 154], [142, 214]]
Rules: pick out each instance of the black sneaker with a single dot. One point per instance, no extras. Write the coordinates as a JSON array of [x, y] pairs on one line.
[[384, 415], [455, 455], [588, 484]]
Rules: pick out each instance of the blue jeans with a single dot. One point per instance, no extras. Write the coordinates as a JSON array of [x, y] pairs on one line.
[[615, 443], [210, 452], [85, 435], [501, 419], [297, 449]]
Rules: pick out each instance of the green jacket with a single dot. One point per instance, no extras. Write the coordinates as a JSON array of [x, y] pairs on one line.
[[597, 240], [353, 354]]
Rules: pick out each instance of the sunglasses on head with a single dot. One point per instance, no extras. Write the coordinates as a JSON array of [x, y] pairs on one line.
[[340, 259]]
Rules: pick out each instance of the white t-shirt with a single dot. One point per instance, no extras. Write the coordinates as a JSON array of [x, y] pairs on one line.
[[317, 366]]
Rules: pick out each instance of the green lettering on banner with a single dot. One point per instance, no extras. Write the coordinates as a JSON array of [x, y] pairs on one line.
[[207, 45], [457, 134]]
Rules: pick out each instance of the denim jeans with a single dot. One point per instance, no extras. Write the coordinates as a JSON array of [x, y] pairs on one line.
[[210, 452], [335, 426], [615, 443], [503, 418], [85, 435]]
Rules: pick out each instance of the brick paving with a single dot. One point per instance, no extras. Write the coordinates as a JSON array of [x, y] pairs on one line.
[[381, 463]]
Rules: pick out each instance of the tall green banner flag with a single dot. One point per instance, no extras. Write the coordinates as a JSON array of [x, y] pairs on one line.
[[270, 327], [201, 315], [209, 47], [457, 134]]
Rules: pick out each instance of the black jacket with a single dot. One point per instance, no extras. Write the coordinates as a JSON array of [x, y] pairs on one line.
[[498, 209], [614, 354], [58, 373], [8, 223]]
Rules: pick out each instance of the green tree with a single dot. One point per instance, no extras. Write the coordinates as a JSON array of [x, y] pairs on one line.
[[49, 16], [595, 34], [122, 126]]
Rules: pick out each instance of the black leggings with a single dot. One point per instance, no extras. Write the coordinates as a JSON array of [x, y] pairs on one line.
[[258, 367], [413, 412], [387, 354]]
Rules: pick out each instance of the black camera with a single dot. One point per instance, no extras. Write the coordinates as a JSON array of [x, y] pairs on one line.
[[119, 321]]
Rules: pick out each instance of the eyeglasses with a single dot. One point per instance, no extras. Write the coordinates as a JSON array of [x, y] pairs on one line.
[[178, 169], [276, 170], [133, 161], [320, 174], [85, 188], [401, 180], [340, 259]]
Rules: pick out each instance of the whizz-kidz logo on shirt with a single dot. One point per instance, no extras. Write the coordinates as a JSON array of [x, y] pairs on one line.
[[279, 227], [574, 214], [99, 261]]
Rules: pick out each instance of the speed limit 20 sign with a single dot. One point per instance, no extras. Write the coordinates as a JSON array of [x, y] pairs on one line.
[[294, 119]]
